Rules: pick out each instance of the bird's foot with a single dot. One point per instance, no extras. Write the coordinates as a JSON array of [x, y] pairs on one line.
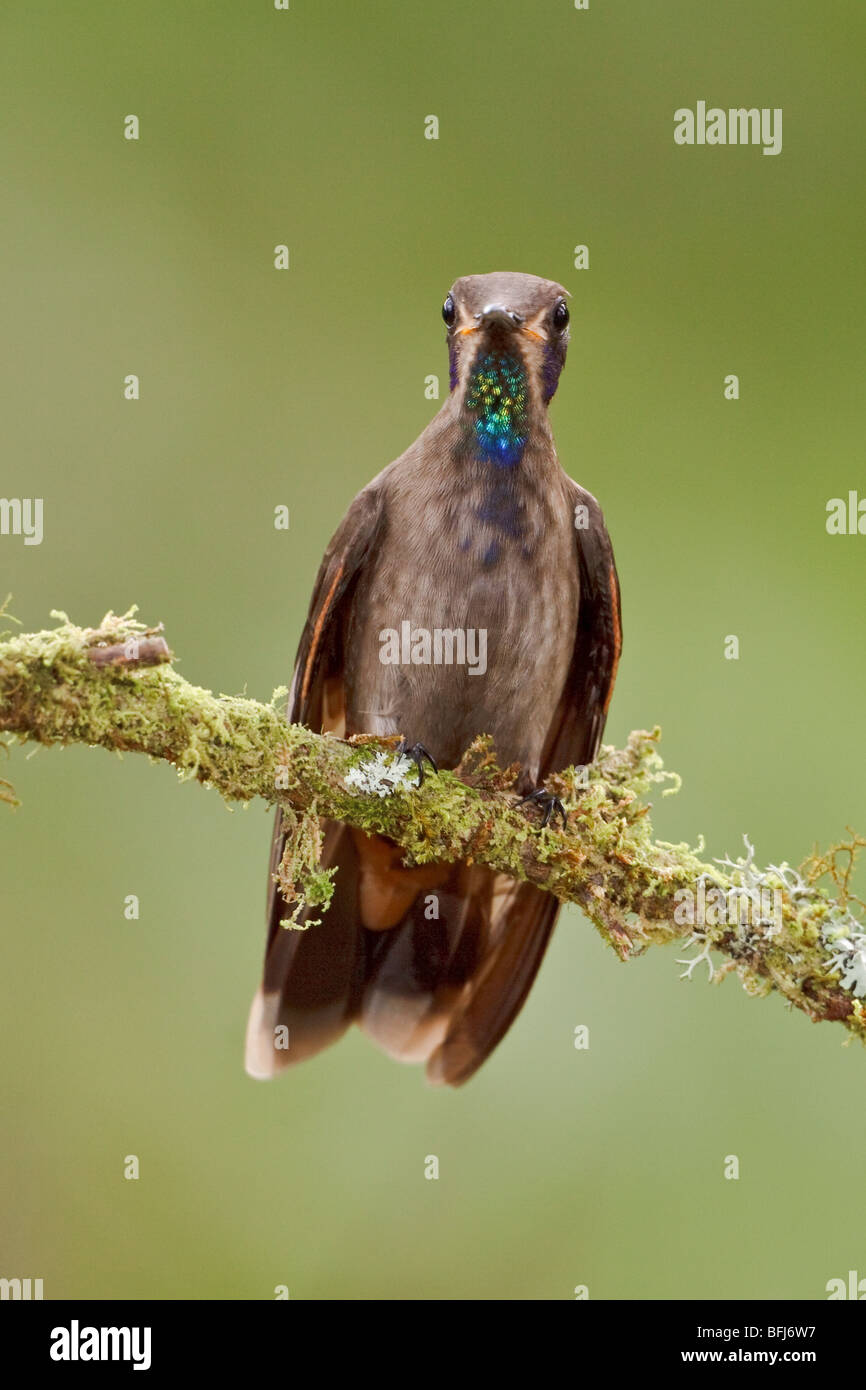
[[419, 755], [552, 806]]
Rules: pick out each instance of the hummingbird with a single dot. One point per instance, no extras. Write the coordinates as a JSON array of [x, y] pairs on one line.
[[475, 529]]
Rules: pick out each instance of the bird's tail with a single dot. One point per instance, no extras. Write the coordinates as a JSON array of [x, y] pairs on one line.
[[432, 963]]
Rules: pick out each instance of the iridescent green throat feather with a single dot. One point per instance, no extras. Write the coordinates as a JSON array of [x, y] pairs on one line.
[[498, 396]]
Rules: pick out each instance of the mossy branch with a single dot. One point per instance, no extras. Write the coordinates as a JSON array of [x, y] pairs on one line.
[[114, 686]]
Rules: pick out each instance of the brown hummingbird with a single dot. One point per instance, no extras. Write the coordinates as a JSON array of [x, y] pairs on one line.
[[469, 589]]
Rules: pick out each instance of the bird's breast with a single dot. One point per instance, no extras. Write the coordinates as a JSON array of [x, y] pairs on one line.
[[464, 620]]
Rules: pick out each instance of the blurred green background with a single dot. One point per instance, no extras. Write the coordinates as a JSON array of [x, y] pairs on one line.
[[558, 1167]]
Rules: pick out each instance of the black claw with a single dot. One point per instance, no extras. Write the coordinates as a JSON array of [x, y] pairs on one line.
[[419, 755], [552, 806]]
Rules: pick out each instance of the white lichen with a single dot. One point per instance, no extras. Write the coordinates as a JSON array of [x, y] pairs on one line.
[[761, 890], [695, 940], [749, 875], [844, 935], [382, 775], [842, 932]]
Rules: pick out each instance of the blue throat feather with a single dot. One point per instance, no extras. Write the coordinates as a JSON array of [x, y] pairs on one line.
[[498, 396]]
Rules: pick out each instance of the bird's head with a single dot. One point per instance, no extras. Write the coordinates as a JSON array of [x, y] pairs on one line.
[[507, 339], [506, 312]]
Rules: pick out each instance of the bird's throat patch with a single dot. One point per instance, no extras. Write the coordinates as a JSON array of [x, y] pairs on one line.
[[498, 396]]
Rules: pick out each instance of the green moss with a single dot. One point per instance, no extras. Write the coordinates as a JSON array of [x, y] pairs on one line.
[[608, 861]]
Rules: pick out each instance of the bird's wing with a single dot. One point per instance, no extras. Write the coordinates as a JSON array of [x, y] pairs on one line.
[[313, 978], [320, 648], [519, 918], [575, 733]]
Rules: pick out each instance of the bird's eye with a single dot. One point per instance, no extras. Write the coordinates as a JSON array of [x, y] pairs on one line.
[[449, 311], [560, 314]]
